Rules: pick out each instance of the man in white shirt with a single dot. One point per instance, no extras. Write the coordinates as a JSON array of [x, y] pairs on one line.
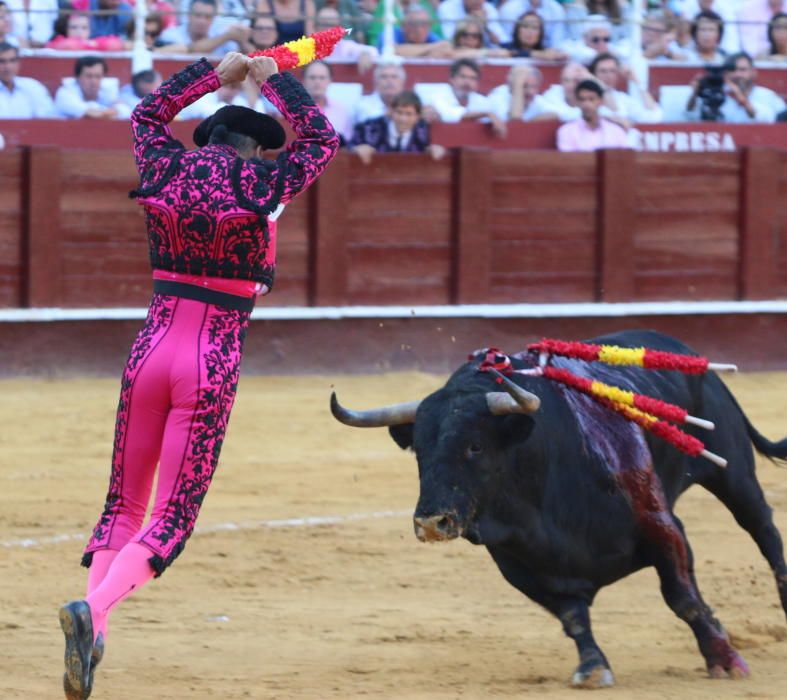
[[591, 132], [519, 100], [6, 37], [33, 22], [20, 98], [551, 13], [389, 79], [561, 97], [596, 39], [90, 95], [201, 34], [638, 107], [463, 101], [317, 77], [747, 102], [451, 12]]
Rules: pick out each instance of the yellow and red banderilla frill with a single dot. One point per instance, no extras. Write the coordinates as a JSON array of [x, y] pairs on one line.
[[294, 54], [635, 357]]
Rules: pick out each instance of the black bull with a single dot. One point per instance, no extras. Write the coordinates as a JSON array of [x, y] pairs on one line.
[[568, 497]]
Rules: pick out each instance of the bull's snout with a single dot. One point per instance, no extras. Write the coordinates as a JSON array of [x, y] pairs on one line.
[[436, 528]]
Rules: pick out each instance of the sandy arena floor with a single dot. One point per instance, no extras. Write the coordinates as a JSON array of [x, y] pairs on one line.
[[355, 609]]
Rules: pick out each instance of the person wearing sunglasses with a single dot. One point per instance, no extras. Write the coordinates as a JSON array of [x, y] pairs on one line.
[[597, 38], [470, 41]]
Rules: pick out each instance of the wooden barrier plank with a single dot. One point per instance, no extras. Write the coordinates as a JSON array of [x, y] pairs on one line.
[[42, 228], [472, 203], [329, 205], [617, 196], [759, 205], [12, 170]]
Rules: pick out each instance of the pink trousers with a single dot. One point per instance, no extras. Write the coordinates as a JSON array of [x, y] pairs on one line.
[[176, 395]]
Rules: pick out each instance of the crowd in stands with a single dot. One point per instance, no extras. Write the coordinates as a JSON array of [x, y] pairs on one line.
[[590, 38]]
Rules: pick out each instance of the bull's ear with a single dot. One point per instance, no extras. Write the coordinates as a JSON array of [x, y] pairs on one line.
[[402, 435]]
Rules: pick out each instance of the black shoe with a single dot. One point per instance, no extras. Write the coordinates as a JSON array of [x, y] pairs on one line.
[[77, 626], [95, 659]]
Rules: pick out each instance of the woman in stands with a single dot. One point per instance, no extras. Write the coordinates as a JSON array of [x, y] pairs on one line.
[[469, 41], [777, 38], [707, 30], [528, 40], [294, 18], [212, 241], [72, 33]]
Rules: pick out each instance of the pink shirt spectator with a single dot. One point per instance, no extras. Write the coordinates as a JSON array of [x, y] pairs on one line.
[[578, 136]]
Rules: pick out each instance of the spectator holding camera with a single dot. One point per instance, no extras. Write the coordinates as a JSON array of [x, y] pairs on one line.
[[591, 131], [732, 96]]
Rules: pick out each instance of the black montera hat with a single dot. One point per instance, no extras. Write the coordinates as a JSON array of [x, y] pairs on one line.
[[265, 130]]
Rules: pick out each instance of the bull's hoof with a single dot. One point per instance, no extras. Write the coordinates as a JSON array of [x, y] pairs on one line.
[[591, 678], [735, 668]]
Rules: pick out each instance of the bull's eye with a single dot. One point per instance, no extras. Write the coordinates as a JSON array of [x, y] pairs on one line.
[[474, 448]]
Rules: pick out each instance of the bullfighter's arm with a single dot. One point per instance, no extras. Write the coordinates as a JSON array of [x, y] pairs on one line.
[[316, 141], [153, 140]]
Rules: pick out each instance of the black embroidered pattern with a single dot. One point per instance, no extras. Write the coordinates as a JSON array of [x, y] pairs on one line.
[[221, 360], [157, 322]]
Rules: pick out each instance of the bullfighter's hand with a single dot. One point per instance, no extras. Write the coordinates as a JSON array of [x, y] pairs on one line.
[[233, 68], [261, 68]]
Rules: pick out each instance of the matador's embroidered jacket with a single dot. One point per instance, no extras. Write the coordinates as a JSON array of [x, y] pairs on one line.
[[207, 209]]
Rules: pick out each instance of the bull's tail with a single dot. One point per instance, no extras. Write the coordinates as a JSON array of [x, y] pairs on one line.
[[773, 450]]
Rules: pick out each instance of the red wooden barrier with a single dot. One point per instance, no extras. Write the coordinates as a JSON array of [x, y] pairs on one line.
[[478, 226]]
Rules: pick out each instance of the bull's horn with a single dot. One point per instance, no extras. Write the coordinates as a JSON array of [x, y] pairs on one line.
[[397, 414], [514, 399]]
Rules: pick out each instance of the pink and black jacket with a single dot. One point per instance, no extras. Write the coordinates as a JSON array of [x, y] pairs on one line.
[[207, 209]]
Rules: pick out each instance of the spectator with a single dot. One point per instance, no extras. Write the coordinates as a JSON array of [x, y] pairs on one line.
[[20, 98], [90, 95], [403, 131], [462, 101], [294, 18], [551, 12], [596, 39], [777, 38], [112, 24], [451, 12], [707, 29], [5, 26], [201, 35], [350, 15], [263, 33], [754, 17], [469, 41], [744, 102], [519, 100], [155, 24], [389, 79], [727, 10], [528, 40], [72, 33], [400, 8], [590, 132], [658, 38], [142, 84], [562, 98], [618, 13], [32, 21], [415, 40], [316, 79], [347, 49], [639, 107]]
